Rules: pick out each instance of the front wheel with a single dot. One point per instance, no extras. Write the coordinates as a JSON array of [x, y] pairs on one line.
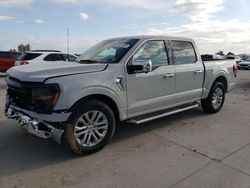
[[215, 100], [90, 127]]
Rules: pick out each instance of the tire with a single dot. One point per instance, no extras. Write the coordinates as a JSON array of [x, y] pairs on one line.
[[90, 127], [215, 100]]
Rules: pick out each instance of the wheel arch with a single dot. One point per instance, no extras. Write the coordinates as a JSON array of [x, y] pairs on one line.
[[223, 80], [220, 77], [103, 98]]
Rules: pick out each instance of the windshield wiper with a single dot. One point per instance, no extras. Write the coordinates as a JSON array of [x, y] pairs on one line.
[[89, 61]]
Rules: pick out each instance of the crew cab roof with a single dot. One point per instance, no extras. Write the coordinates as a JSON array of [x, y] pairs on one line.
[[147, 37]]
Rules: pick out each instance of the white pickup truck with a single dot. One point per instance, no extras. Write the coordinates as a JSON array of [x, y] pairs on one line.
[[134, 79]]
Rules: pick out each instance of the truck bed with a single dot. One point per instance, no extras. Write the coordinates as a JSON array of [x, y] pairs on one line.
[[213, 68]]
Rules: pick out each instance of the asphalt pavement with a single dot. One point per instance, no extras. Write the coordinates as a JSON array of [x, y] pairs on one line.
[[191, 149]]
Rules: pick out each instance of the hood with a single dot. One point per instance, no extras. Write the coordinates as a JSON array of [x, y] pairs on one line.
[[38, 72]]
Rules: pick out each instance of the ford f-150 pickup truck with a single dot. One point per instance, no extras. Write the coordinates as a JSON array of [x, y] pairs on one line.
[[133, 79]]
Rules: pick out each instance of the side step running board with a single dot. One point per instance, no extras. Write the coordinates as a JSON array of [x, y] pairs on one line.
[[146, 118]]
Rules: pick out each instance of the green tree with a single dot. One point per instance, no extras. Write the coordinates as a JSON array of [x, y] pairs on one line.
[[230, 54], [220, 53]]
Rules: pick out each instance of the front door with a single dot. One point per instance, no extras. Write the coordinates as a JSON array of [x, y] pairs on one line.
[[149, 92]]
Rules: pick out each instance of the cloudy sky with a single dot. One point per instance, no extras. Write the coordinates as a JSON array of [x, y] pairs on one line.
[[214, 24]]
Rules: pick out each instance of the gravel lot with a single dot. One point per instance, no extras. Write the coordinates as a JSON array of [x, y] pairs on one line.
[[190, 149]]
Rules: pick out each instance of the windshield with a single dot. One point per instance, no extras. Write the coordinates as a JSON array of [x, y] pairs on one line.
[[247, 59], [109, 51]]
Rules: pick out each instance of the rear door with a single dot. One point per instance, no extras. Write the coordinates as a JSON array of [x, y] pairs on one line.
[[149, 92], [189, 71]]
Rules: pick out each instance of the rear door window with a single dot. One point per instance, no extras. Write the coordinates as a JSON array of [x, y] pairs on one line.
[[4, 55], [28, 56], [54, 57], [183, 52]]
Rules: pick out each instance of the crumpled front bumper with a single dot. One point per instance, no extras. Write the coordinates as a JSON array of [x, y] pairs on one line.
[[53, 117], [35, 125]]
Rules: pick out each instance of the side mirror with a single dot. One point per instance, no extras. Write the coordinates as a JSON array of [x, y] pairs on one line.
[[140, 66]]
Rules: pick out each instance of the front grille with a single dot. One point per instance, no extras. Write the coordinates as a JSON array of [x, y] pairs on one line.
[[20, 95]]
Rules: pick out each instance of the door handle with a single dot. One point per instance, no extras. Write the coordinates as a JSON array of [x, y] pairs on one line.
[[198, 72], [170, 75]]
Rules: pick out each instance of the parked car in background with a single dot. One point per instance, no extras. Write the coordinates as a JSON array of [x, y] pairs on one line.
[[7, 60], [211, 57], [230, 57], [37, 56], [237, 59], [134, 79], [77, 55], [245, 64]]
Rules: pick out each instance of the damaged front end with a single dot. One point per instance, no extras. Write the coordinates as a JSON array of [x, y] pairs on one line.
[[32, 105]]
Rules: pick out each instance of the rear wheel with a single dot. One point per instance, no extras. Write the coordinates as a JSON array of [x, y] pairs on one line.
[[91, 126], [215, 100]]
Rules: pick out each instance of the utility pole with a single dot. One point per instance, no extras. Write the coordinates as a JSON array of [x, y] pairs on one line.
[[68, 40]]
